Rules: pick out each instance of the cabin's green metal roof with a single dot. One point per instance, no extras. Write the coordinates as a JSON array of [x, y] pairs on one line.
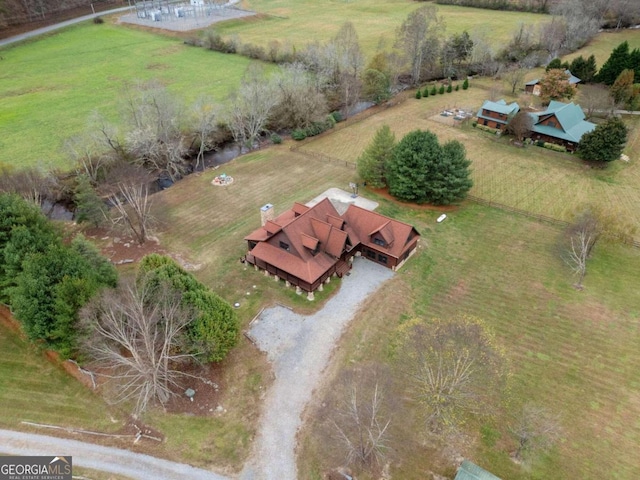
[[471, 471], [571, 119]]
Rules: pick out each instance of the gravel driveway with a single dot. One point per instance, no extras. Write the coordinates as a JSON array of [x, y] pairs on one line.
[[300, 348], [106, 459]]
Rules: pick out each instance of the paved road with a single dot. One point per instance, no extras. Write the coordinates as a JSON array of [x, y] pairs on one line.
[[300, 348], [106, 459], [51, 28]]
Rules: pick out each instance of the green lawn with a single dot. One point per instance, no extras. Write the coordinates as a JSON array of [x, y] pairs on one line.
[[50, 86], [533, 179], [602, 46], [304, 21], [35, 390], [573, 352]]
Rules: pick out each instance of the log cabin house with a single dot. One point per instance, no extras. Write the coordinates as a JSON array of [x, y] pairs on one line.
[[496, 114], [305, 246]]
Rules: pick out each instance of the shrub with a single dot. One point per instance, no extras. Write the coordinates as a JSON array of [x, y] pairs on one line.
[[449, 88], [253, 51], [554, 147], [299, 134], [276, 139], [337, 116], [540, 143], [418, 94], [474, 124], [441, 91], [457, 88], [465, 84], [98, 20], [425, 92]]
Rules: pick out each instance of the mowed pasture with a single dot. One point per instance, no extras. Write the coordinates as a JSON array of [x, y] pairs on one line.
[[33, 389], [532, 179], [208, 223], [301, 22], [572, 352], [50, 86]]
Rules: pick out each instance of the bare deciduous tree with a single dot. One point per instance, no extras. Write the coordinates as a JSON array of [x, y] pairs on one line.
[[536, 430], [35, 185], [362, 419], [135, 333], [595, 100], [251, 106], [127, 188], [418, 39], [349, 63], [300, 102], [520, 125], [456, 369], [514, 77], [154, 138], [88, 154], [591, 224], [204, 114]]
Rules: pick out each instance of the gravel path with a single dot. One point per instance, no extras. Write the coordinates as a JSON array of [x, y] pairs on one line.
[[300, 348], [97, 457]]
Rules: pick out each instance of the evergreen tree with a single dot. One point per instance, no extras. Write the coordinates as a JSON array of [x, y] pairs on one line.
[[634, 62], [615, 64], [372, 163], [214, 330], [418, 94], [585, 70], [452, 180], [434, 91], [441, 91], [465, 84], [425, 92], [23, 230], [591, 69], [89, 207], [52, 288], [449, 88], [422, 171], [605, 143], [556, 63]]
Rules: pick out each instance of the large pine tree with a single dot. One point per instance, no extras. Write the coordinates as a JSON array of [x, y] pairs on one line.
[[605, 143], [372, 164], [615, 64], [423, 171]]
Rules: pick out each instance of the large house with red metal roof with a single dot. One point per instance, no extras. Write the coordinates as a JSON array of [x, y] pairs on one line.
[[305, 246]]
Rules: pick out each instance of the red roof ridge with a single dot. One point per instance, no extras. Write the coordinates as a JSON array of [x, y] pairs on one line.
[[378, 214]]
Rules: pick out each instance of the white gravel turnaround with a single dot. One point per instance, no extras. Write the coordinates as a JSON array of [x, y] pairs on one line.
[[97, 457], [300, 348]]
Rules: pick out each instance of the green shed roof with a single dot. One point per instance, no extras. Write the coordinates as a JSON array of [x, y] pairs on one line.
[[471, 471]]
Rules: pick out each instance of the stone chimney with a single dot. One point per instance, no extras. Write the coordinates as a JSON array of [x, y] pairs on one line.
[[266, 213]]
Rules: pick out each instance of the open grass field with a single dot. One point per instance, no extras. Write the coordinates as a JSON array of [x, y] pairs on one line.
[[604, 43], [50, 86], [532, 179], [304, 21], [35, 390], [573, 352]]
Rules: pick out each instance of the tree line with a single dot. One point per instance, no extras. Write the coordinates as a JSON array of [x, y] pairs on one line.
[[141, 331]]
